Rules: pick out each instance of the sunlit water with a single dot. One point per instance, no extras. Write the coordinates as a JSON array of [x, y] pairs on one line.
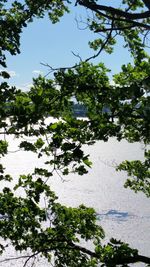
[[122, 213]]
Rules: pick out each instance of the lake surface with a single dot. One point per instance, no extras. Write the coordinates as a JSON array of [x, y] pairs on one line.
[[123, 214]]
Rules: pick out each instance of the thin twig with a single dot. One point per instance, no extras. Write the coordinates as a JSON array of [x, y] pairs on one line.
[[30, 257]]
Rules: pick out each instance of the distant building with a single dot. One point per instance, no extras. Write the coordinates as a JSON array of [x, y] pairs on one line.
[[79, 110]]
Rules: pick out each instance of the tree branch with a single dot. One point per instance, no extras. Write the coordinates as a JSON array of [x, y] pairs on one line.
[[114, 11], [117, 14], [147, 3], [126, 260], [71, 246]]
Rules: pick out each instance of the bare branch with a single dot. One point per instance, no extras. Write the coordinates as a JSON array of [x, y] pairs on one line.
[[30, 257], [15, 258], [77, 55]]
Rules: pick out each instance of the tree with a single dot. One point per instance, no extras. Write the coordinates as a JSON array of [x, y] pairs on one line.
[[23, 115]]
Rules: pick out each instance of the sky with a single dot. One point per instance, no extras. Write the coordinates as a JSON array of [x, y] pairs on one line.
[[53, 44]]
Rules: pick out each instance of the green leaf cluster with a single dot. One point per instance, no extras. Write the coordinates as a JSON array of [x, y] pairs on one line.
[[35, 219]]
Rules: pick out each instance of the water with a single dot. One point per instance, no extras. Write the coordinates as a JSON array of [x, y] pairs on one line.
[[123, 214]]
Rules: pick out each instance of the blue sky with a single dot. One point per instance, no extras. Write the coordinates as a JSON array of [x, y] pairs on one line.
[[44, 42]]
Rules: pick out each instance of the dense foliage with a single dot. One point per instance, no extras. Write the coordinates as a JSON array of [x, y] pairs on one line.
[[120, 109]]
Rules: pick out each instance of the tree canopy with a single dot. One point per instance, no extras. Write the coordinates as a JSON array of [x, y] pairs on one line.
[[23, 115]]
